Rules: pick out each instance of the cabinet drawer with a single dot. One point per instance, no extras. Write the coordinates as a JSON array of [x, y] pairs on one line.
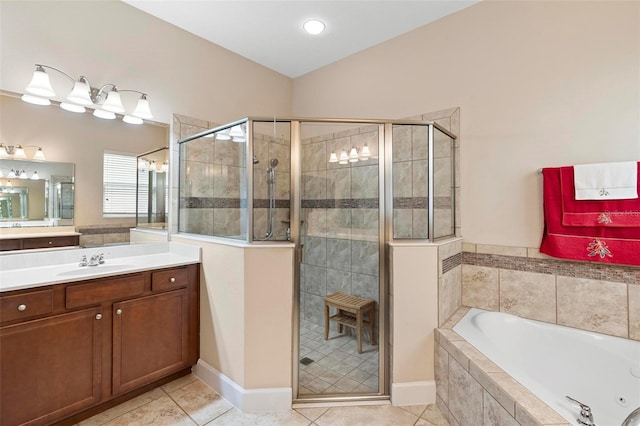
[[104, 290], [26, 305], [168, 280], [43, 242], [11, 244]]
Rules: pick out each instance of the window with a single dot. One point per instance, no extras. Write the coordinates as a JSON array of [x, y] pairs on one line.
[[119, 185]]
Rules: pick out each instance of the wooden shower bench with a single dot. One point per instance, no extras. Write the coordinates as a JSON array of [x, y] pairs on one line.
[[351, 312]]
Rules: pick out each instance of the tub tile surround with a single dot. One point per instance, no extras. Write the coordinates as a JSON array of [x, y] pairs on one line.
[[521, 281], [472, 390]]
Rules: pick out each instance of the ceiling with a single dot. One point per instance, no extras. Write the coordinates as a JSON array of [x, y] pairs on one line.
[[270, 32]]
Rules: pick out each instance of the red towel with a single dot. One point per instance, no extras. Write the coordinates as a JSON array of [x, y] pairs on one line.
[[604, 243]]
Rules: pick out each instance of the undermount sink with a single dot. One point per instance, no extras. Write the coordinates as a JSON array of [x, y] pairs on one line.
[[86, 270]]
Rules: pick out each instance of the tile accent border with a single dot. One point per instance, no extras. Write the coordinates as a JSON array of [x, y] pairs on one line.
[[594, 271], [471, 389]]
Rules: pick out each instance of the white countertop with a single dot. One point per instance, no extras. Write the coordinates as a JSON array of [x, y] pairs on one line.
[[37, 232], [30, 270]]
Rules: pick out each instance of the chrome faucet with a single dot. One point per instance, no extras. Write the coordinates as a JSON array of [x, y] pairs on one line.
[[586, 416], [83, 260], [96, 259]]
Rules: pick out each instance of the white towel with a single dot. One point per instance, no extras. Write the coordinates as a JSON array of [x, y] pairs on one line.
[[606, 181]]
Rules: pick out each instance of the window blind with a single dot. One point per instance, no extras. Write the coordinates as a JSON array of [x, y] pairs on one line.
[[119, 185]]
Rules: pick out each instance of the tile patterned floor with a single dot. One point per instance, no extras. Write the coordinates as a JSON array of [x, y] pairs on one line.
[[337, 366], [189, 402]]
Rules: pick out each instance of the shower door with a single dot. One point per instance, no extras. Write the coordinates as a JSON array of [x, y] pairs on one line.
[[340, 262]]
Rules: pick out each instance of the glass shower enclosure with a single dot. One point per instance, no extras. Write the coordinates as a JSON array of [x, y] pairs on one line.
[[340, 190]]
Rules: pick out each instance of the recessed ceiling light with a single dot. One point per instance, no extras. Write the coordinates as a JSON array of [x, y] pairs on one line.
[[314, 26]]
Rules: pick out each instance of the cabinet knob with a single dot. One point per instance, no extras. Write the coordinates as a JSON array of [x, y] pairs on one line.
[[22, 308], [98, 316], [172, 280], [118, 311], [50, 242]]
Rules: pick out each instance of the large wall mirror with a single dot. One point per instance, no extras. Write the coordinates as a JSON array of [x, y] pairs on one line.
[[36, 193]]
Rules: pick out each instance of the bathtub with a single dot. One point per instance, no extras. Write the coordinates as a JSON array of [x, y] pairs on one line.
[[553, 361]]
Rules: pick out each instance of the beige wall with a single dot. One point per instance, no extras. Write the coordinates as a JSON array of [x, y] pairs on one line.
[[538, 84], [111, 42], [80, 139], [246, 305]]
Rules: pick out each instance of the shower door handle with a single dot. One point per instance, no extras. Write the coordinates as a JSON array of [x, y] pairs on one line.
[[301, 253]]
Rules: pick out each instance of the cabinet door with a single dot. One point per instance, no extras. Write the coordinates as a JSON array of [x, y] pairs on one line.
[[150, 339], [50, 368]]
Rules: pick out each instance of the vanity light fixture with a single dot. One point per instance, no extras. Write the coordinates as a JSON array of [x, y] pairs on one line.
[[9, 184], [237, 134], [35, 176], [12, 174], [105, 100], [23, 175], [365, 154], [353, 155], [344, 157], [17, 151], [165, 167]]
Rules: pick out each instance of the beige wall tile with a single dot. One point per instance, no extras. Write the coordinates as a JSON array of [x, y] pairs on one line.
[[502, 250], [469, 247], [528, 294], [534, 253], [465, 395], [634, 311], [442, 373], [494, 414], [480, 287], [599, 306], [450, 248], [449, 294]]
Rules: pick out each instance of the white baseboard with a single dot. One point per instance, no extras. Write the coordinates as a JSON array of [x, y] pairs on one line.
[[246, 400], [413, 393]]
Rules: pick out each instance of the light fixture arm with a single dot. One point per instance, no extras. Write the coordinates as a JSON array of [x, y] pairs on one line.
[[97, 94], [55, 69]]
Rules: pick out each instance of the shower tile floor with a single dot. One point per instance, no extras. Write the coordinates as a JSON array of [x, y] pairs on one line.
[[337, 366], [188, 401]]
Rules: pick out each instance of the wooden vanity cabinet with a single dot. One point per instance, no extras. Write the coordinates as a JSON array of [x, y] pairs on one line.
[[7, 244], [72, 348]]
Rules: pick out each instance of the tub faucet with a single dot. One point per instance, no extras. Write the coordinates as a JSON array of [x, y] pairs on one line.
[[586, 417]]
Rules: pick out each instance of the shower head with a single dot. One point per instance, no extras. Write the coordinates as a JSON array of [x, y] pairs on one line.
[[274, 162], [255, 160]]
